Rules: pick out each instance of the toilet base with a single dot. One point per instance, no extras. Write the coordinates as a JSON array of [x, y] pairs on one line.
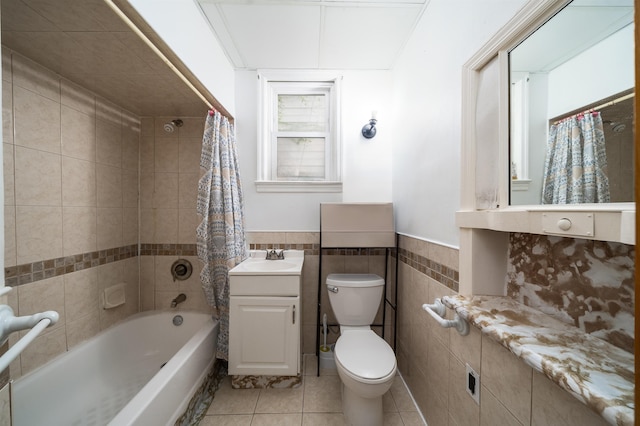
[[359, 411]]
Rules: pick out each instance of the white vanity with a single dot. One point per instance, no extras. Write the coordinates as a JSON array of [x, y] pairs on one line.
[[264, 319]]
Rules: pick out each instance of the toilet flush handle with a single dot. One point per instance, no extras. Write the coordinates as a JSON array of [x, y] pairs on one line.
[[332, 289]]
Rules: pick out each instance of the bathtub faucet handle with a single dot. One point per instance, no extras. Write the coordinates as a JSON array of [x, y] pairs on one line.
[[181, 298]]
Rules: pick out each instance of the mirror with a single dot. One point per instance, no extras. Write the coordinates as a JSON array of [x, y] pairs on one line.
[[574, 75]]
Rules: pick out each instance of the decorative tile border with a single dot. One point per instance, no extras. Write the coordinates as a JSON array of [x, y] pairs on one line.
[[31, 272], [36, 271], [309, 249], [443, 274]]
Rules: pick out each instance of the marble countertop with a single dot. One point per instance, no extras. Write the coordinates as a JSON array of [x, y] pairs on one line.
[[595, 372]]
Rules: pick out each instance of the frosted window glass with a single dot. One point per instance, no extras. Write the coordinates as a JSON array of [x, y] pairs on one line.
[[303, 113], [301, 158]]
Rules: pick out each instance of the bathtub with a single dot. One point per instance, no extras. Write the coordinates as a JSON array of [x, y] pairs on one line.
[[142, 371]]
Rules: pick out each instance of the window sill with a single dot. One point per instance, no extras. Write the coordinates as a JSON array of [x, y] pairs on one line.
[[284, 186]]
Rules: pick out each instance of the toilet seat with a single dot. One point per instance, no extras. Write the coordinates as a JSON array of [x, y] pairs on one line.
[[365, 356]]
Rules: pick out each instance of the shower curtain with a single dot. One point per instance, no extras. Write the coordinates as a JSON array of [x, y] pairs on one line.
[[220, 234], [575, 169]]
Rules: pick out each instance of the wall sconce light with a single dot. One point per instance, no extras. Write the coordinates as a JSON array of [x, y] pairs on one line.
[[369, 130]]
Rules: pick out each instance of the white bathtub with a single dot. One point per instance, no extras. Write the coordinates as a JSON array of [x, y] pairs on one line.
[[119, 377]]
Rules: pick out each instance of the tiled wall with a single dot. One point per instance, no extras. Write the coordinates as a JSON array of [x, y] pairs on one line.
[[433, 360], [585, 283], [71, 205], [169, 173]]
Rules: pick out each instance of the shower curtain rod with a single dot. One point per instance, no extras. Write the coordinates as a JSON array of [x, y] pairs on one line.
[[612, 102]]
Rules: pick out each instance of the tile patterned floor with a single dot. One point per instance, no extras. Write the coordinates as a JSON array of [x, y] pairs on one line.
[[316, 402]]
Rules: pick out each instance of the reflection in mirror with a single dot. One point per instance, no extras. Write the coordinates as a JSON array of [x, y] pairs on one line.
[[571, 107]]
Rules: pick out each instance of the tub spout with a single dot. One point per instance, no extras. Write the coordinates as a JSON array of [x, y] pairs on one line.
[[181, 298]]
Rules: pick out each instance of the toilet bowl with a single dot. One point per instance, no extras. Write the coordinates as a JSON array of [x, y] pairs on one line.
[[365, 362]]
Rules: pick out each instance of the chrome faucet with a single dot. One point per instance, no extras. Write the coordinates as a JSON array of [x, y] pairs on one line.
[[274, 255], [181, 298]]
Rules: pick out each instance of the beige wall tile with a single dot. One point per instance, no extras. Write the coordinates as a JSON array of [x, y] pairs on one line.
[[196, 300], [147, 154], [9, 175], [467, 348], [437, 290], [437, 368], [79, 230], [147, 186], [131, 146], [302, 238], [10, 253], [130, 226], [165, 193], [108, 111], [109, 228], [83, 328], [553, 406], [188, 221], [193, 128], [129, 188], [37, 121], [40, 296], [36, 78], [78, 98], [42, 349], [78, 134], [493, 412], [7, 114], [188, 190], [38, 178], [463, 409], [147, 226], [166, 154], [6, 65], [108, 143], [109, 185], [266, 237], [166, 226], [147, 283], [78, 182], [38, 233], [189, 153], [508, 378], [81, 293]]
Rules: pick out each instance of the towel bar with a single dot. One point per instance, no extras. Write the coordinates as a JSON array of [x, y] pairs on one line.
[[438, 310]]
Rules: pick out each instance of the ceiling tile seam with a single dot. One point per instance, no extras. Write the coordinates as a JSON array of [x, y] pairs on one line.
[[424, 8], [321, 31], [234, 56]]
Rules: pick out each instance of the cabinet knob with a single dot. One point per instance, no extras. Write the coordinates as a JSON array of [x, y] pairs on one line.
[[564, 224]]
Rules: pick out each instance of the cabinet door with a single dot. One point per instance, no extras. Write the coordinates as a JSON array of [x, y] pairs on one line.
[[264, 335]]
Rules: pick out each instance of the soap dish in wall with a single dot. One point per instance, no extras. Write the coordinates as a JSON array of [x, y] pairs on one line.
[[113, 296]]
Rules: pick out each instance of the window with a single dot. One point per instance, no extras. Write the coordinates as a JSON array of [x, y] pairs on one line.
[[298, 141]]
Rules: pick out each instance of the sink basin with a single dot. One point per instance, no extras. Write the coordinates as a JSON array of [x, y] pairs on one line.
[[256, 264]]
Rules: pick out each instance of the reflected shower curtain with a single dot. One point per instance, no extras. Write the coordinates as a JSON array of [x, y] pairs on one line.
[[220, 234], [575, 169]]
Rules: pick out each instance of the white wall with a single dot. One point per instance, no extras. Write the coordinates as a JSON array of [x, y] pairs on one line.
[[604, 70], [181, 25], [427, 108], [366, 163]]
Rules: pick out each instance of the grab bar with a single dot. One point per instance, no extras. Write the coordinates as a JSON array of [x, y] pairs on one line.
[[9, 323], [438, 310]]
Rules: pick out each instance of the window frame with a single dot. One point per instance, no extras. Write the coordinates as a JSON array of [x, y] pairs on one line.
[[274, 82]]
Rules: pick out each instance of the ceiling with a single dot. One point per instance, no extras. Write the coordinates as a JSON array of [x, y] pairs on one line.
[[331, 34], [86, 42]]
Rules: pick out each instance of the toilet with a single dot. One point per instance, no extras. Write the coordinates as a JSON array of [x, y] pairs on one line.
[[366, 364]]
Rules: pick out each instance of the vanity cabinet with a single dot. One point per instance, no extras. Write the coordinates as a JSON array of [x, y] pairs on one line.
[[264, 316], [264, 335]]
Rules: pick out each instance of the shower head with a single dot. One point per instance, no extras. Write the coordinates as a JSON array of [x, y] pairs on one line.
[[170, 127]]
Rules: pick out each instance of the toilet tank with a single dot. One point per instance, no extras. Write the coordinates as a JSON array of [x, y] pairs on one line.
[[357, 298]]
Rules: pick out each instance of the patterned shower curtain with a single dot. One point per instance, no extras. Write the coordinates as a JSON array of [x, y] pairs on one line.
[[220, 234], [575, 169]]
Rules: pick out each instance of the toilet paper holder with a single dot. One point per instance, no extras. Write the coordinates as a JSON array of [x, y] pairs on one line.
[[438, 310]]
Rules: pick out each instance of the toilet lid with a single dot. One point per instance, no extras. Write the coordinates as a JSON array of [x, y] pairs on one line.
[[365, 354]]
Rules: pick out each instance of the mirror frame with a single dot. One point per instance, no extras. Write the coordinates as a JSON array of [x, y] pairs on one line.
[[612, 221]]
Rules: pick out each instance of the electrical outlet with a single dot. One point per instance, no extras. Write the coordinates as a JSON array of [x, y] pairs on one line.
[[473, 384]]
